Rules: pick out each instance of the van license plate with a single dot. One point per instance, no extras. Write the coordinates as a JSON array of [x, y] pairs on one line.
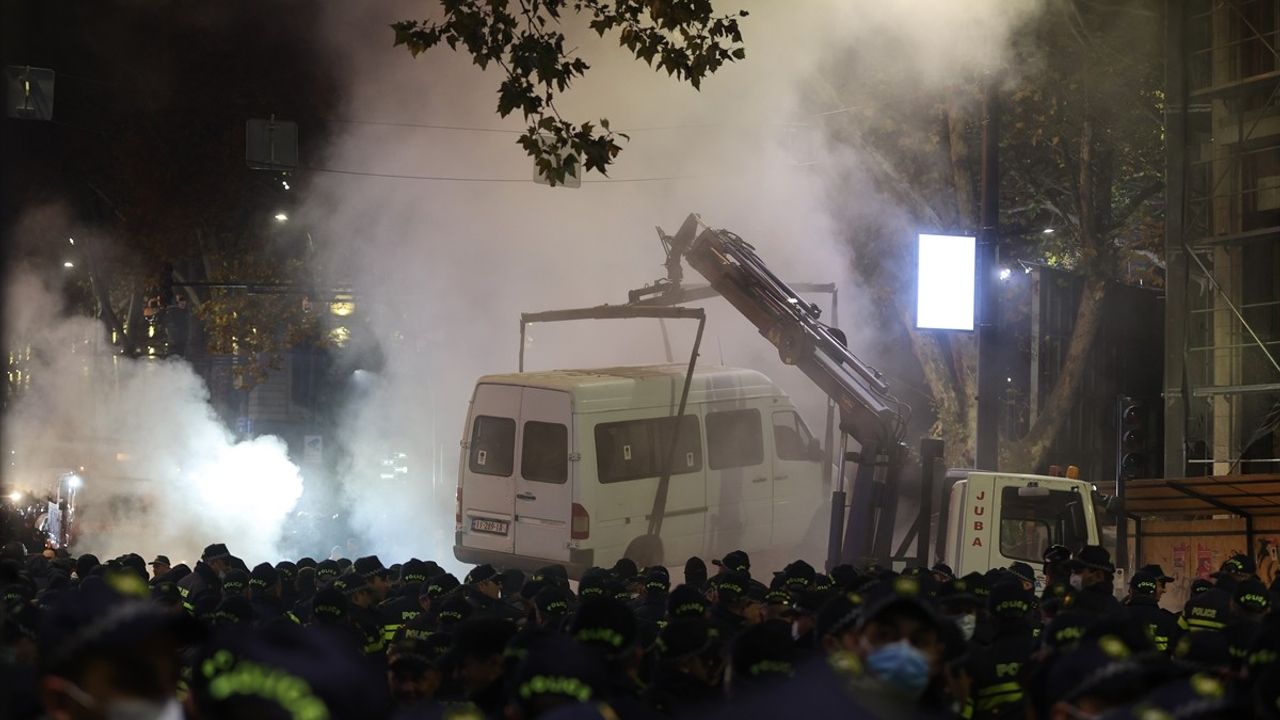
[[493, 527]]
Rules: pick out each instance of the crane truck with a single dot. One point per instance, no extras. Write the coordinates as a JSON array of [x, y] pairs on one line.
[[581, 467]]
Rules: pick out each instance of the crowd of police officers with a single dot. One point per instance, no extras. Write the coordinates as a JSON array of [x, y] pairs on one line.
[[336, 639]]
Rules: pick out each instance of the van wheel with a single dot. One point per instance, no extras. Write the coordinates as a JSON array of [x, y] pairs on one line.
[[645, 551]]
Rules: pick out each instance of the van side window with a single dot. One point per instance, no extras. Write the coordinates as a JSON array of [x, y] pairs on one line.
[[638, 448], [493, 446], [791, 438], [544, 455], [734, 439]]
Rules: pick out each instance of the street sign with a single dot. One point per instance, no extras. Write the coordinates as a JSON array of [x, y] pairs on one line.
[[271, 144], [28, 92]]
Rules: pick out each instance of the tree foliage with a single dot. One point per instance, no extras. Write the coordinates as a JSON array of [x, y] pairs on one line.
[[1081, 155], [526, 40]]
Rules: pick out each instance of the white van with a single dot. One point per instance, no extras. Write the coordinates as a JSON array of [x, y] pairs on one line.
[[563, 466]]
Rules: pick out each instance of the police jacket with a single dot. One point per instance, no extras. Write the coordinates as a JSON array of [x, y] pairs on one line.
[[1161, 625], [369, 625], [997, 670], [726, 623], [653, 608], [270, 610], [201, 580], [485, 606], [398, 612], [675, 693], [1098, 600]]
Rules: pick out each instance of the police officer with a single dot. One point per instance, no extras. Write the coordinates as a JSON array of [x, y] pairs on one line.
[[206, 577], [997, 669], [265, 590], [483, 591], [1143, 603], [406, 605], [689, 671], [652, 605], [1093, 577], [738, 604], [362, 613]]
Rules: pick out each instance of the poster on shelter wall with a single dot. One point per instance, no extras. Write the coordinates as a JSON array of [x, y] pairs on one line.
[[1179, 570], [1204, 562], [1267, 561]]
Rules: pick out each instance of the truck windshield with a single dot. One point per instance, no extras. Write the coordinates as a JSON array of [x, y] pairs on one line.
[[1029, 525]]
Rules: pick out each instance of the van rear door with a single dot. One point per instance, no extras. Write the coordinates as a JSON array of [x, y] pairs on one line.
[[489, 468], [544, 480]]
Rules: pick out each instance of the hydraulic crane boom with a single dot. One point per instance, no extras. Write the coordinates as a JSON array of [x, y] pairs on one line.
[[868, 412]]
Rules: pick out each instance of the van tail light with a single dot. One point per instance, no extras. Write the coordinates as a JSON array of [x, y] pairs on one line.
[[580, 525], [457, 518]]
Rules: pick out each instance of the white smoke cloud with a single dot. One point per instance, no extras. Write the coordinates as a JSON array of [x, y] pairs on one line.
[[443, 269], [160, 472]]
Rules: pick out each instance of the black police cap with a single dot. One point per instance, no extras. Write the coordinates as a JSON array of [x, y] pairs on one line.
[[285, 671], [685, 601], [604, 623]]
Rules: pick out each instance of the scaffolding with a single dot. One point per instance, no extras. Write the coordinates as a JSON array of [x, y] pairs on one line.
[[1222, 332]]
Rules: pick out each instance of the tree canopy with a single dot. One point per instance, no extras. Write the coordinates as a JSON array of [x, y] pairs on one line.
[[526, 40]]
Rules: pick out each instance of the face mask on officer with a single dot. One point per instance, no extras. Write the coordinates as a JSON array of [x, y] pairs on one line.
[[968, 623], [902, 666], [1077, 581]]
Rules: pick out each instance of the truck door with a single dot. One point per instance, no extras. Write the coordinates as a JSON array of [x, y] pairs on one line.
[[488, 468], [976, 534], [545, 475]]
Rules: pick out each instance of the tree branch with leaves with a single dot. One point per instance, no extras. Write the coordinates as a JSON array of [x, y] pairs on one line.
[[526, 40]]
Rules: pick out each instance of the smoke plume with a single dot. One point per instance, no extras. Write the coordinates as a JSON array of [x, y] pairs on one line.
[[444, 268], [150, 467]]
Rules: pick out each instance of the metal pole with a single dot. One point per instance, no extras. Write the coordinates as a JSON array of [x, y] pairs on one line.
[[523, 324], [930, 453], [835, 536], [1177, 60], [829, 437], [988, 279], [664, 482]]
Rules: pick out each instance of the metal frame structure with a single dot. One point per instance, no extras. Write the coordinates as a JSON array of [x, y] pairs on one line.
[[1222, 232], [630, 312], [1245, 496]]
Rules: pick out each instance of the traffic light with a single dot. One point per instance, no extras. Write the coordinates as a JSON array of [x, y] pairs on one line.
[[1138, 453]]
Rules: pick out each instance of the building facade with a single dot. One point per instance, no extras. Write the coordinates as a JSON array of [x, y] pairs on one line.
[[1222, 327]]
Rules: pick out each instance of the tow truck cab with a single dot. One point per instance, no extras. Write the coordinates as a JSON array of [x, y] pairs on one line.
[[993, 519]]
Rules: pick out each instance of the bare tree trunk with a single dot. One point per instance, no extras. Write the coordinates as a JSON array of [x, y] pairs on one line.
[[951, 407], [1029, 453], [1093, 202]]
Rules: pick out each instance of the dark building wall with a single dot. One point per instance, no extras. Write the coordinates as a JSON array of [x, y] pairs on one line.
[[1038, 312]]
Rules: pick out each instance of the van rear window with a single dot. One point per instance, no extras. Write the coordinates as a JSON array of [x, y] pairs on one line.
[[638, 448], [493, 446], [544, 453], [734, 439]]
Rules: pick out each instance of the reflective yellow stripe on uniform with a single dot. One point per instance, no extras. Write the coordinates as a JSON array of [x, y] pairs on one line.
[[389, 632], [1196, 624], [994, 696]]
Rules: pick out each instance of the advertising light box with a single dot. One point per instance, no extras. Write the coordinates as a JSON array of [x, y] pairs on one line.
[[945, 274]]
